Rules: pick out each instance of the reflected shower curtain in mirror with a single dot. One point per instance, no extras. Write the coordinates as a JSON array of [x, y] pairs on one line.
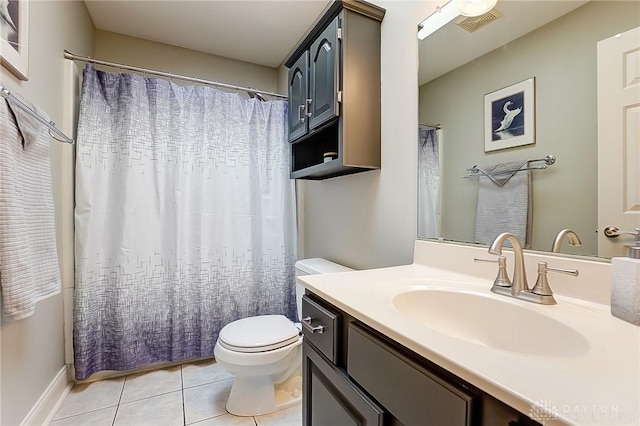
[[184, 220], [428, 183]]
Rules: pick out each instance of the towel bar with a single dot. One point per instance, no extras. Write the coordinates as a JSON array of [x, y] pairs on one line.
[[548, 161]]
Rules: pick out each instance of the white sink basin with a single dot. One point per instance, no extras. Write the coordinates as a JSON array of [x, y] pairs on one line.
[[490, 321]]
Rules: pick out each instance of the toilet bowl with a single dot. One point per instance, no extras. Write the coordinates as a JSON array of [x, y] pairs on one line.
[[264, 354]]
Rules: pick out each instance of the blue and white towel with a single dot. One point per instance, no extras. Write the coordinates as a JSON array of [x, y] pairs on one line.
[[29, 268]]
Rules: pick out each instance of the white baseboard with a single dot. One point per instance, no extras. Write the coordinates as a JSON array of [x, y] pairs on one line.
[[50, 400]]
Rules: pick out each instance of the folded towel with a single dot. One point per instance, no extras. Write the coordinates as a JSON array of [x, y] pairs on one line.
[[28, 259], [504, 203]]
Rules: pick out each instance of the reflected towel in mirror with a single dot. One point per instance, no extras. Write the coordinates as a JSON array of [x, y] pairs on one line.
[[504, 202]]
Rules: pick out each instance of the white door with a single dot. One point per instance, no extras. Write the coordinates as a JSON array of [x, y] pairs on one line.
[[618, 140]]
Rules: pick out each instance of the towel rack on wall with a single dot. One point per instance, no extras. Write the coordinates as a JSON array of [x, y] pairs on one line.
[[549, 160], [53, 130], [433, 126]]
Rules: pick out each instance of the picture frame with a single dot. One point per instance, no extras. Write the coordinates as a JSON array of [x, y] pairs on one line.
[[14, 37], [509, 116]]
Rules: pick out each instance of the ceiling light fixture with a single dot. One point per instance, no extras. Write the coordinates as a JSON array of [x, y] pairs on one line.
[[475, 7]]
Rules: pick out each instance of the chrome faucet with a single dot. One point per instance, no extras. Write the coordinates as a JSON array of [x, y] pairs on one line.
[[519, 282], [573, 238], [541, 292]]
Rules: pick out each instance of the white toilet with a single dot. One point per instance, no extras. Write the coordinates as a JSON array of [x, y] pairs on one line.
[[264, 353]]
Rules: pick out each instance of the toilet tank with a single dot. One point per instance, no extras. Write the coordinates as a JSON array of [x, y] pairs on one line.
[[314, 266]]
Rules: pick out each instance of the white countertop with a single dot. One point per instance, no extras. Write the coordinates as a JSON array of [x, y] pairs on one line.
[[599, 386]]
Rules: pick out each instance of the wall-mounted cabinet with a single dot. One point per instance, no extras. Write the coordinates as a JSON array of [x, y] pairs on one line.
[[334, 93]]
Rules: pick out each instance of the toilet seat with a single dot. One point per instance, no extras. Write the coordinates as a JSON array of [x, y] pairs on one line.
[[258, 334]]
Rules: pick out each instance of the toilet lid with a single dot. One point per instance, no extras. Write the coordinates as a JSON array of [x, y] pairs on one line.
[[258, 334]]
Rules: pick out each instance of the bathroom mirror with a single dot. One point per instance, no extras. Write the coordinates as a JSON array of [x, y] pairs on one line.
[[552, 43]]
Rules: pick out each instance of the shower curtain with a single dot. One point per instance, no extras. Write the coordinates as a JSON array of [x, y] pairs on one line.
[[184, 220], [428, 183]]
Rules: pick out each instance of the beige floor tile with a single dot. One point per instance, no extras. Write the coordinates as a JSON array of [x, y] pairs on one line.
[[90, 397], [203, 372], [289, 417], [151, 383], [161, 410], [102, 417], [227, 420], [206, 401]]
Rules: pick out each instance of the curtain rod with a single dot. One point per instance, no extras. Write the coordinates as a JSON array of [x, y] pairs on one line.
[[13, 99], [250, 91]]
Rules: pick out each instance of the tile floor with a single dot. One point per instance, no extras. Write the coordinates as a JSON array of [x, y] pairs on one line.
[[188, 394]]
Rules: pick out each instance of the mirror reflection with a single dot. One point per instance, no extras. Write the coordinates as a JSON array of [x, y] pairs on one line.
[[500, 94]]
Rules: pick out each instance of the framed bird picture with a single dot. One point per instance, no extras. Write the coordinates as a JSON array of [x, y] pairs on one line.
[[14, 36], [509, 116]]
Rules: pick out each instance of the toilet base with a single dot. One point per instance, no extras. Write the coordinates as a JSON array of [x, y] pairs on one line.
[[255, 396]]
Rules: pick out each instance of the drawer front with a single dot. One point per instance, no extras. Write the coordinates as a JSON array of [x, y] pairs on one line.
[[412, 394], [321, 327]]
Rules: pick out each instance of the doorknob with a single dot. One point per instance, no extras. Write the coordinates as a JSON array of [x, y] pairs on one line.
[[613, 232]]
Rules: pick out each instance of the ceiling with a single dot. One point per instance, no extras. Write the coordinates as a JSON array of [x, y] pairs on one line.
[[262, 32], [519, 18]]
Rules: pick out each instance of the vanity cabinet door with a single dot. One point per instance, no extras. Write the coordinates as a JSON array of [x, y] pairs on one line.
[[330, 399], [298, 81], [324, 73]]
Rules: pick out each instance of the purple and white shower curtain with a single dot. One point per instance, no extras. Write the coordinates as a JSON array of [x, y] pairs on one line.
[[184, 220]]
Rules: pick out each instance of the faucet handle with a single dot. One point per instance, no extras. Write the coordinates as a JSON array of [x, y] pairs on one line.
[[502, 279], [542, 284]]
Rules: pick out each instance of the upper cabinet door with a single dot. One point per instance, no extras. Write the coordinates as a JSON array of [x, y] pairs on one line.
[[325, 53], [298, 79]]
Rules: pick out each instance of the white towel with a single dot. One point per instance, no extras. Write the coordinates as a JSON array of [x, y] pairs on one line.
[[504, 203], [28, 259]]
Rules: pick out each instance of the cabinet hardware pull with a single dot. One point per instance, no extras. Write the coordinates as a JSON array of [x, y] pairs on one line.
[[306, 324], [301, 115]]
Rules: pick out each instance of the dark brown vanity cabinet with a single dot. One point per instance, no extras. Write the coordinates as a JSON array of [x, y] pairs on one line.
[[353, 375], [334, 93]]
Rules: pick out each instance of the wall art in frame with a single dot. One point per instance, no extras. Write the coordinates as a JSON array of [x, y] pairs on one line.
[[509, 116], [14, 36]]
